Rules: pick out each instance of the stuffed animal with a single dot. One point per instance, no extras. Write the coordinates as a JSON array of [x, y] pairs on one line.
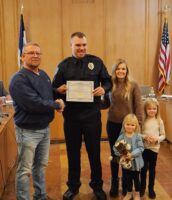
[[123, 148]]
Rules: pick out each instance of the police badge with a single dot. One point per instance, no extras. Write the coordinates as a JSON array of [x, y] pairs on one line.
[[90, 65]]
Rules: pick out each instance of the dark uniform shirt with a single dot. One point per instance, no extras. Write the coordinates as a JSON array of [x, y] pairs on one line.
[[89, 68]]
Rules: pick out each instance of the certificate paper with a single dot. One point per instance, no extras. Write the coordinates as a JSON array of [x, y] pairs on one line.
[[80, 91]]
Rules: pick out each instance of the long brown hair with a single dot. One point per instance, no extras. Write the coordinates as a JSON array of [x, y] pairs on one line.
[[127, 80]]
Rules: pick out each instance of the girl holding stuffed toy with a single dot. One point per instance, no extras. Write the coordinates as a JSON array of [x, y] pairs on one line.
[[131, 138], [153, 133], [124, 98]]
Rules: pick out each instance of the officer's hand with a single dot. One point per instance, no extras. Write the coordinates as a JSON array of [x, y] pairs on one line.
[[62, 89], [99, 91], [62, 105]]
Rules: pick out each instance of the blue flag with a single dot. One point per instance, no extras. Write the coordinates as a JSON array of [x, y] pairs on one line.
[[22, 40]]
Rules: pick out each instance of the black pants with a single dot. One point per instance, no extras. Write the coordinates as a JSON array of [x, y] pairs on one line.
[[83, 124], [150, 159], [113, 131], [130, 177]]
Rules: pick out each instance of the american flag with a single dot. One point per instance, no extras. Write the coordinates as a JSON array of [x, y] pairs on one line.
[[164, 60], [22, 40]]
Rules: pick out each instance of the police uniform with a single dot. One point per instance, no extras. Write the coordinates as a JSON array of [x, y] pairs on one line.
[[82, 120]]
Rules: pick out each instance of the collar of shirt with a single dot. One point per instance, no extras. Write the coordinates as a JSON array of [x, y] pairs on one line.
[[77, 60]]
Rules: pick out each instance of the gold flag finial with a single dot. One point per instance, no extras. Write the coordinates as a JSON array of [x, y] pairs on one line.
[[166, 10], [22, 9]]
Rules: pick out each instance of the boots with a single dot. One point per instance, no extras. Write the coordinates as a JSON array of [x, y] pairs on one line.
[[128, 196], [142, 192], [114, 189], [152, 194], [137, 196], [124, 186]]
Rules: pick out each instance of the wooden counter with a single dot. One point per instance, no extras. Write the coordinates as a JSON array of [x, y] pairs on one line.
[[8, 148], [56, 126], [166, 115], [57, 132]]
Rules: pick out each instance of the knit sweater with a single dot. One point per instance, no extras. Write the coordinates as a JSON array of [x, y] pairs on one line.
[[136, 150], [32, 96], [153, 127], [120, 106]]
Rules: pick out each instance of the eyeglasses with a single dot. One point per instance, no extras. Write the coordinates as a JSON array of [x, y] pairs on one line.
[[32, 53]]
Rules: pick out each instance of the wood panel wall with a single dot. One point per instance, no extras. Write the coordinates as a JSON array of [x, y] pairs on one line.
[[114, 28]]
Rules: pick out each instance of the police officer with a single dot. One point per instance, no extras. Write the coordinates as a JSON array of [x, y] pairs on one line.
[[82, 120]]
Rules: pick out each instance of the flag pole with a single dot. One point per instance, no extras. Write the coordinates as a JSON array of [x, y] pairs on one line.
[[166, 10], [22, 37], [164, 57]]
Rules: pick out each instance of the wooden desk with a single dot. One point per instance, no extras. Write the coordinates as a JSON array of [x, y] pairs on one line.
[[168, 122], [166, 114], [8, 148]]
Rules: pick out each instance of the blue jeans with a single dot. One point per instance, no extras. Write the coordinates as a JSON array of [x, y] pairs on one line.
[[33, 155]]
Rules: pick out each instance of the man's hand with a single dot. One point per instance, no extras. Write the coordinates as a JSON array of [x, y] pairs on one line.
[[62, 105], [62, 89], [99, 91]]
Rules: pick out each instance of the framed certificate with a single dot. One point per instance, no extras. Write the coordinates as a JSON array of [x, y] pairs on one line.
[[80, 91]]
